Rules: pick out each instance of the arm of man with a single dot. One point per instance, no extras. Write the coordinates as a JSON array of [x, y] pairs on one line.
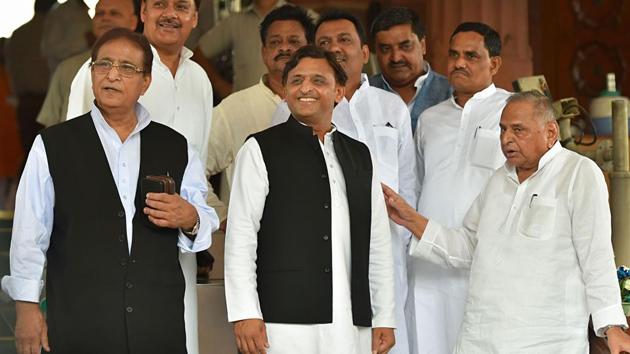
[[50, 113], [247, 202], [418, 145], [220, 148], [381, 275], [591, 230], [211, 44], [32, 226], [186, 209], [432, 241], [407, 180]]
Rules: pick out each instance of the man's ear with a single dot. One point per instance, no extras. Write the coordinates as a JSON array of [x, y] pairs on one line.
[[143, 9], [365, 52], [553, 132], [495, 64], [340, 91], [423, 46], [145, 84]]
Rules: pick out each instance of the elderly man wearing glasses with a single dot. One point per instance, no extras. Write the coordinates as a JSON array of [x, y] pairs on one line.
[[114, 283]]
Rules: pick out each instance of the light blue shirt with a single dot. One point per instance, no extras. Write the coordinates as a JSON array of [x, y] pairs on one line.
[[35, 201]]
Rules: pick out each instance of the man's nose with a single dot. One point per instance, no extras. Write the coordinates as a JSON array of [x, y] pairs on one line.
[[396, 55], [306, 86]]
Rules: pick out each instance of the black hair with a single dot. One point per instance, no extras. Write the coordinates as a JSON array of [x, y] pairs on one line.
[[134, 38], [311, 51], [288, 13], [43, 6], [397, 16], [335, 15], [491, 39]]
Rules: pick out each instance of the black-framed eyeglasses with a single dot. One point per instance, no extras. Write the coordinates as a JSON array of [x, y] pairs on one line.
[[104, 66]]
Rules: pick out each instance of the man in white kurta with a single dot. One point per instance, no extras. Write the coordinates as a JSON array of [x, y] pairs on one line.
[[537, 242], [249, 196], [458, 149], [180, 96], [380, 120], [250, 110]]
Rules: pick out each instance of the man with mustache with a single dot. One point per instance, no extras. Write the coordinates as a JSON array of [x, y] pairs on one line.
[[283, 31], [380, 120], [108, 14], [308, 263], [458, 149], [114, 284], [180, 96], [536, 241], [399, 39]]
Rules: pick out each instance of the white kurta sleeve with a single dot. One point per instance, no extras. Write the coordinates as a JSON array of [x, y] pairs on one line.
[[195, 189], [419, 158], [407, 179], [247, 202], [450, 247], [220, 147], [381, 267], [81, 95], [32, 226], [591, 226]]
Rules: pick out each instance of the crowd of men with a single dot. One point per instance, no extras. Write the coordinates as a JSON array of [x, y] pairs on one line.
[[407, 212]]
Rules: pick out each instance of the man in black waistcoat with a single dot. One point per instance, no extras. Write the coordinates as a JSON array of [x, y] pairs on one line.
[[308, 262], [114, 283]]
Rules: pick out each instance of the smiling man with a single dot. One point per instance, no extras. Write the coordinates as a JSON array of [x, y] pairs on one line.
[[537, 243], [283, 31], [308, 263], [180, 97], [113, 279], [379, 119], [458, 149], [400, 44]]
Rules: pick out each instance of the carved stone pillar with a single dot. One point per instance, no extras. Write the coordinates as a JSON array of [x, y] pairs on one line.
[[509, 18]]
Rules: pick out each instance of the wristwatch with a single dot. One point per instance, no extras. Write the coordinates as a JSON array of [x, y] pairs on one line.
[[191, 234], [603, 331]]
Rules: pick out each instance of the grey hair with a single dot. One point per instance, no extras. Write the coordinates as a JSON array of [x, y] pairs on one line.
[[543, 108]]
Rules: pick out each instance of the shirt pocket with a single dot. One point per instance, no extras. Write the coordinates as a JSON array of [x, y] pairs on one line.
[[486, 148], [538, 219], [386, 138]]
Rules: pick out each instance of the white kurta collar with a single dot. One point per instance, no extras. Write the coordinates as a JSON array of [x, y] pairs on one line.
[[142, 115], [544, 160], [481, 95], [184, 54]]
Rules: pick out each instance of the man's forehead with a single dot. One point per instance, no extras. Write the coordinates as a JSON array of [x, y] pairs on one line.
[[401, 32], [311, 66], [119, 49], [336, 28], [467, 42], [283, 26]]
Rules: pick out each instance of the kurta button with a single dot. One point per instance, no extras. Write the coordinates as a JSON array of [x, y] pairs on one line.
[[326, 205], [123, 262], [327, 270], [325, 237], [129, 309], [121, 214], [324, 176], [129, 285]]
